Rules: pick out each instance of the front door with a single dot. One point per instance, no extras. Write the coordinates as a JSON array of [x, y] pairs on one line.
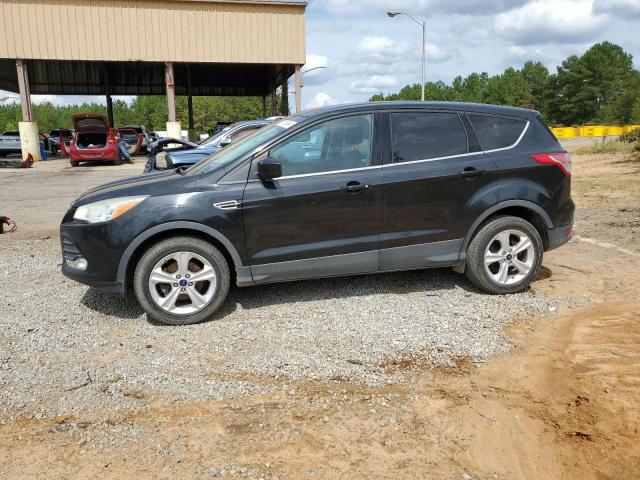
[[322, 217], [436, 184]]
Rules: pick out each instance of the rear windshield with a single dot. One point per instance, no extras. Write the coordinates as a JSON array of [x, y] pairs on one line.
[[88, 122], [496, 132]]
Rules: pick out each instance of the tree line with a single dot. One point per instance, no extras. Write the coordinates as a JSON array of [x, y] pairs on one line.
[[150, 111], [599, 86]]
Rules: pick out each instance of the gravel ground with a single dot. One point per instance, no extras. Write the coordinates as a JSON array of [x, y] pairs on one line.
[[66, 348]]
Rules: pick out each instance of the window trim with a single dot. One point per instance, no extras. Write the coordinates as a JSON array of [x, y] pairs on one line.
[[385, 164]]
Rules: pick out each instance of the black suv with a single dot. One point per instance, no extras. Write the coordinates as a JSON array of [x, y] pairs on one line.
[[343, 190]]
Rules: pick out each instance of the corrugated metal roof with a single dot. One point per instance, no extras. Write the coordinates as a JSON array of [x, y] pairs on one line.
[[145, 78]]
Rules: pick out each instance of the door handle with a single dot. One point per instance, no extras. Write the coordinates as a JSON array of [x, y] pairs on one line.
[[354, 187], [471, 172]]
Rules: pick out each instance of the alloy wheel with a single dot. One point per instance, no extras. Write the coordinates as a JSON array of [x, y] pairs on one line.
[[509, 257], [182, 283]]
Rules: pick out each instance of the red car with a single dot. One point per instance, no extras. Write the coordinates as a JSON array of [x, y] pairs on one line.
[[93, 140]]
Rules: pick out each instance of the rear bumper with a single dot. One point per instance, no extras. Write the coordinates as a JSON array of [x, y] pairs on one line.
[[559, 236], [107, 154]]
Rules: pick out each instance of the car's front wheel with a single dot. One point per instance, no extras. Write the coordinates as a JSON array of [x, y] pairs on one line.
[[505, 255], [181, 281]]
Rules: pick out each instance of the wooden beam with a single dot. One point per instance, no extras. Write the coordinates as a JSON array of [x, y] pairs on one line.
[[25, 94], [171, 92]]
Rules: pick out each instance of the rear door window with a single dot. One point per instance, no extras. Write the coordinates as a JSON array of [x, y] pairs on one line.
[[426, 135], [496, 132]]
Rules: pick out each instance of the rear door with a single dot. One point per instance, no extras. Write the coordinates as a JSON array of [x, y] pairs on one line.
[[322, 217], [436, 183]]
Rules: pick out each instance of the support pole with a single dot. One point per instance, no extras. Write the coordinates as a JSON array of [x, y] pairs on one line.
[[107, 89], [190, 107], [192, 130], [25, 94], [29, 137], [264, 106], [298, 89], [174, 129], [274, 104], [110, 111]]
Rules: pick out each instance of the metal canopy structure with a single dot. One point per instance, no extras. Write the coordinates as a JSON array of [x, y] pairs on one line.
[[139, 47], [63, 77]]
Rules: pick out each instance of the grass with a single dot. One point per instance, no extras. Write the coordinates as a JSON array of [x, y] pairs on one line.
[[603, 145]]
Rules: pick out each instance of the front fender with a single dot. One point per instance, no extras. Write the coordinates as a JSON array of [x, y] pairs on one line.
[[167, 227]]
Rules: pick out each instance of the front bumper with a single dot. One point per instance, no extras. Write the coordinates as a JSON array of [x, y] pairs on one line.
[[94, 244], [85, 278]]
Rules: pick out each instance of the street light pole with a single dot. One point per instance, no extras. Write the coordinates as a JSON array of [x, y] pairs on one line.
[[424, 44]]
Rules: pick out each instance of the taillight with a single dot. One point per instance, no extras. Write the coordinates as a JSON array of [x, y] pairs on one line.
[[560, 160]]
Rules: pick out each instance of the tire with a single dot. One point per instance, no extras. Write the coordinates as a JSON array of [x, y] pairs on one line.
[[166, 260], [497, 260], [118, 160], [74, 163]]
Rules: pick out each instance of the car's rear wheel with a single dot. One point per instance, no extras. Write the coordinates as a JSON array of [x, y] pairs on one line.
[[181, 281], [504, 256], [74, 163]]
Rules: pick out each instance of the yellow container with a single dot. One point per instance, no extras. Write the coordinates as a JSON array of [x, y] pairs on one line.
[[565, 132]]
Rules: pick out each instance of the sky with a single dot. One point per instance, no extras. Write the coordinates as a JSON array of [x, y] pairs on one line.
[[365, 52]]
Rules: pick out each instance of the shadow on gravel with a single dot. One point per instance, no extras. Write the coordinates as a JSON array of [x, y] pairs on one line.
[[123, 307], [431, 282]]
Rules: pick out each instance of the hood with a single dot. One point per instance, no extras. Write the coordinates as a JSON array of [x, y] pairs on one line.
[[165, 183], [89, 122]]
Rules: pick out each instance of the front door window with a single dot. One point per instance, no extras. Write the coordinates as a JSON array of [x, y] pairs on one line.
[[339, 144]]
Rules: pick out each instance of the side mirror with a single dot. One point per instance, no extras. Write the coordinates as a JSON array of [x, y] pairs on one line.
[[225, 142], [269, 168]]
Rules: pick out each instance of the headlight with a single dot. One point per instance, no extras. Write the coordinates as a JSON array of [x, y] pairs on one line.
[[109, 209]]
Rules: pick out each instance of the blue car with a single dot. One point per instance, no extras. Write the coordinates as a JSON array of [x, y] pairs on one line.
[[165, 155]]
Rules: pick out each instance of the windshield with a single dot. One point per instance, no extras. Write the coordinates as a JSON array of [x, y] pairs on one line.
[[242, 147], [211, 138]]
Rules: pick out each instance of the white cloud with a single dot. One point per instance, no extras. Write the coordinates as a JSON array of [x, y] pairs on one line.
[[379, 50], [550, 21], [625, 9], [313, 75], [373, 84], [321, 99], [435, 54]]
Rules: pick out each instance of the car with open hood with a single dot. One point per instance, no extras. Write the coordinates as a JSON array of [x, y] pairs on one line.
[[94, 140]]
